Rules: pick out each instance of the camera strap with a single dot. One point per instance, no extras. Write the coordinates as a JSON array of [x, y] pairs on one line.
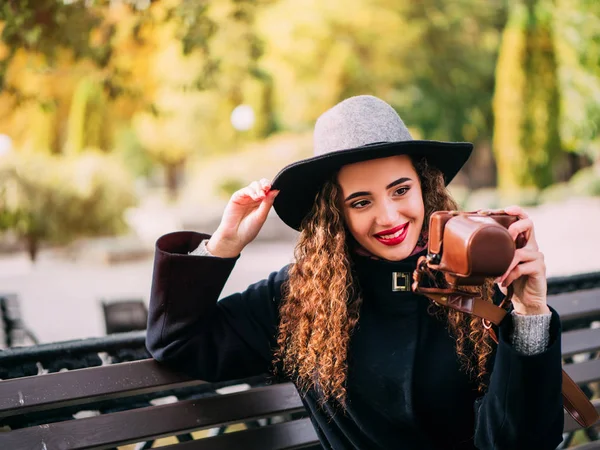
[[575, 401]]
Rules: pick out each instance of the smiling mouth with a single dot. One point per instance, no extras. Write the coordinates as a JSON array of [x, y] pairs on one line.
[[392, 232], [394, 236]]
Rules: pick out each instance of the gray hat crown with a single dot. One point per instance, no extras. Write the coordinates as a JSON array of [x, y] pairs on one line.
[[356, 122]]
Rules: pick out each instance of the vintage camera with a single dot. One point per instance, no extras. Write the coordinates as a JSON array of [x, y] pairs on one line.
[[471, 246]]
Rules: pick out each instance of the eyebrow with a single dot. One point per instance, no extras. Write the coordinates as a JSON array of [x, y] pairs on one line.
[[389, 186]]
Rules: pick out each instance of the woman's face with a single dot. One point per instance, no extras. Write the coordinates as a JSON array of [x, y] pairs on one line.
[[383, 205]]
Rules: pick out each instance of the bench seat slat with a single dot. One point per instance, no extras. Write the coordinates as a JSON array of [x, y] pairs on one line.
[[577, 305], [580, 341], [37, 393], [584, 372], [571, 425], [297, 434], [141, 424]]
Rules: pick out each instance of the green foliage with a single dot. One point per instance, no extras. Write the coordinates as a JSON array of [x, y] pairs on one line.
[[586, 182], [525, 196], [128, 148], [485, 198], [577, 43], [230, 185], [555, 193], [45, 26], [450, 55], [56, 199], [460, 194], [87, 30], [433, 60], [173, 71], [194, 27], [88, 124], [526, 104]]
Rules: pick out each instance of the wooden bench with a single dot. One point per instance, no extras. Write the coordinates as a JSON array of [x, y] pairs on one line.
[[124, 399], [580, 316], [84, 388], [128, 399]]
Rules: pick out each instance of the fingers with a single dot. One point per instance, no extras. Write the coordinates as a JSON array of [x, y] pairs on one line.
[[515, 210], [529, 268], [524, 226], [265, 184], [266, 204], [522, 231], [259, 188], [255, 191], [523, 257], [523, 234]]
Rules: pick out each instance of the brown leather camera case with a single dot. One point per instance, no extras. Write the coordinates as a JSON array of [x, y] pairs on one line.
[[470, 246]]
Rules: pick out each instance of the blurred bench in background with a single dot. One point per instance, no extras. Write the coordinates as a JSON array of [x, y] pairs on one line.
[[13, 331], [123, 315]]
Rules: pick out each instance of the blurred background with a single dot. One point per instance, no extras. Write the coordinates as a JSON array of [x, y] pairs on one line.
[[121, 120]]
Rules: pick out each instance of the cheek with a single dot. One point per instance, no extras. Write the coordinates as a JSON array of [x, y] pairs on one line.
[[358, 224], [417, 208]]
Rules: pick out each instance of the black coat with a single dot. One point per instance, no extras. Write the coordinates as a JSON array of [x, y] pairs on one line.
[[405, 388]]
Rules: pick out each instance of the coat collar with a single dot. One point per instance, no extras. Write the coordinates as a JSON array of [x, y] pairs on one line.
[[387, 284]]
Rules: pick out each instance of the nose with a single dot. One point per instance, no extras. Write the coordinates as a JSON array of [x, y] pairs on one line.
[[387, 214]]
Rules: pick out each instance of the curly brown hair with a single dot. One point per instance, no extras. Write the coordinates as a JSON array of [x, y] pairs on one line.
[[321, 302]]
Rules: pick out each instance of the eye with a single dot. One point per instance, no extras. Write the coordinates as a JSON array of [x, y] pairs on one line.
[[401, 191], [359, 204]]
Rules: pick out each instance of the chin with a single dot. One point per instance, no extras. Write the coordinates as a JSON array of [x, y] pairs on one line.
[[396, 253], [397, 256]]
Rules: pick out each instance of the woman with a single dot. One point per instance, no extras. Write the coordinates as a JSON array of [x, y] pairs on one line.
[[377, 365]]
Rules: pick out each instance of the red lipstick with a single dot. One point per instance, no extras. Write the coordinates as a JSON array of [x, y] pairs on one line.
[[391, 230], [403, 229]]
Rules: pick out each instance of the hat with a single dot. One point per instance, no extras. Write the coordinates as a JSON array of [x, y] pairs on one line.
[[357, 129]]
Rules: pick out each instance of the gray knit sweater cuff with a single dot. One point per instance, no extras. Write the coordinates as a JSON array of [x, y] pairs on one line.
[[531, 334], [201, 250]]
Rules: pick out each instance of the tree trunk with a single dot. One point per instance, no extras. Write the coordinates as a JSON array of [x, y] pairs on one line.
[[33, 245], [480, 170], [172, 172]]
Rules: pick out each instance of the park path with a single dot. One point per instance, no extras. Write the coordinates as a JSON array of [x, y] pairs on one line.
[[60, 299]]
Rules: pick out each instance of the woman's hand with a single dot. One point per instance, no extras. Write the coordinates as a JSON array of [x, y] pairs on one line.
[[242, 219], [527, 271]]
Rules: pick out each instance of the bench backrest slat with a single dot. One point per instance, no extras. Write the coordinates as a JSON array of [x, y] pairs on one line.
[[47, 352], [577, 305], [125, 427], [580, 341], [296, 434], [584, 372], [37, 393]]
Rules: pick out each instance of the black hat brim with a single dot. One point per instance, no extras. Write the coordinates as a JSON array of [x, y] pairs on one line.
[[300, 182]]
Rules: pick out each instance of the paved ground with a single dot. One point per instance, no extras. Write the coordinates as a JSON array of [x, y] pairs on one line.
[[60, 298]]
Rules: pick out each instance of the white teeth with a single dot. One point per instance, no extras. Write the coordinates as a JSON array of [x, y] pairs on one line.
[[392, 236]]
